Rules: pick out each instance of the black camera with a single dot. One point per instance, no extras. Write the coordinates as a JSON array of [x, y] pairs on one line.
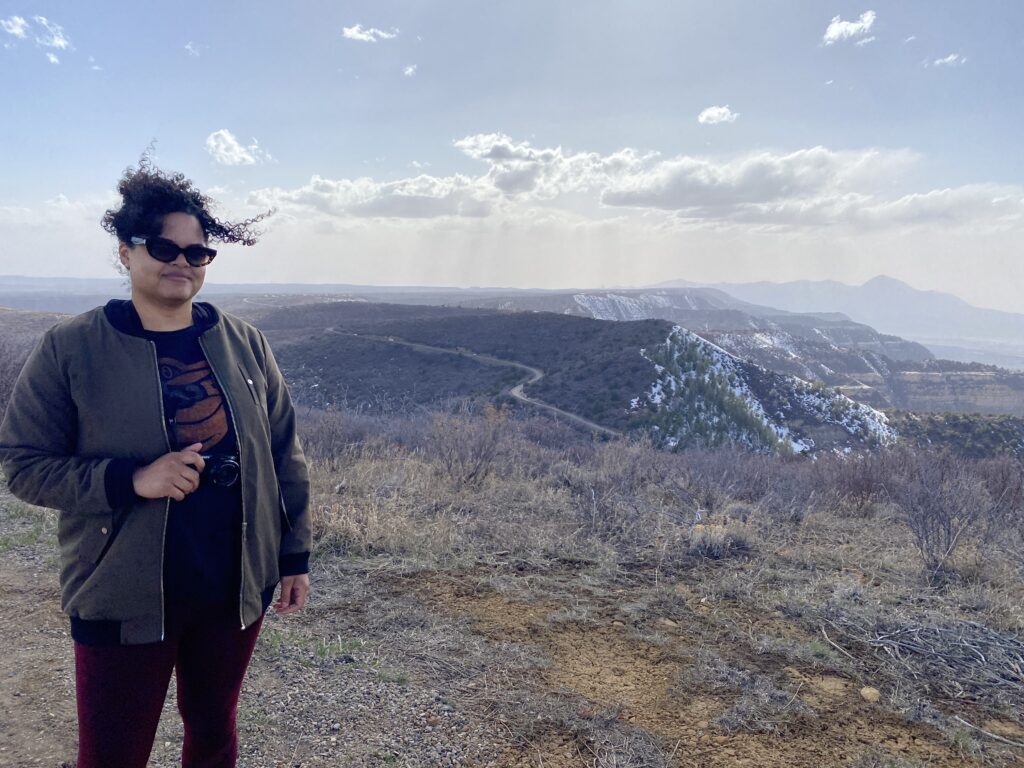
[[221, 469]]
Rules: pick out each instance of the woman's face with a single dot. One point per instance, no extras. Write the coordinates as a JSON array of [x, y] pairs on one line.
[[166, 284]]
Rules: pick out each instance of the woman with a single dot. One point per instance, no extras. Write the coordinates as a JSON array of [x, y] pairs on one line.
[[162, 431]]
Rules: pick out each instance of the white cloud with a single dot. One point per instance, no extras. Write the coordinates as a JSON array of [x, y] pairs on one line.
[[191, 49], [410, 70], [367, 35], [54, 36], [910, 39], [418, 197], [829, 82], [518, 169], [865, 41], [225, 149], [52, 58], [715, 115], [953, 60], [844, 30], [93, 65], [801, 191], [15, 25], [716, 187]]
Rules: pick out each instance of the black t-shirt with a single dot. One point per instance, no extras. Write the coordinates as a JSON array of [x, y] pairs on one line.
[[203, 544]]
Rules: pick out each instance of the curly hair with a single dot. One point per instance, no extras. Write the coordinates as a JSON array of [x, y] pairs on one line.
[[148, 195]]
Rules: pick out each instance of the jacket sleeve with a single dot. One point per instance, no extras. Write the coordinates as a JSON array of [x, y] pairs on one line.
[[38, 440], [292, 470]]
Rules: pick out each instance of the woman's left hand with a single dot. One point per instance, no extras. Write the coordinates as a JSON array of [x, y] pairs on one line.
[[294, 591]]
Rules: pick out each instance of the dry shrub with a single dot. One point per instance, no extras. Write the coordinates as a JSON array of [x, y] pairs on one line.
[[616, 496], [853, 483], [941, 500], [466, 446], [1003, 524], [717, 541], [330, 435]]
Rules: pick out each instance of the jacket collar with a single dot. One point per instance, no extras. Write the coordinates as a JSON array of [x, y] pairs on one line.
[[123, 316]]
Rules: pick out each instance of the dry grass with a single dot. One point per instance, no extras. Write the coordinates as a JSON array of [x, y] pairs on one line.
[[780, 559]]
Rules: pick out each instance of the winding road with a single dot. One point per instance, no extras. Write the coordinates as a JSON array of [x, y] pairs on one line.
[[533, 375]]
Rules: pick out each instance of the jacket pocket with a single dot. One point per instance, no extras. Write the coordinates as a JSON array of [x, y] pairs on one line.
[[96, 538]]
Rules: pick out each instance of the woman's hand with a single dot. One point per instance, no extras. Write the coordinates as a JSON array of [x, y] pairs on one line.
[[174, 474], [294, 591]]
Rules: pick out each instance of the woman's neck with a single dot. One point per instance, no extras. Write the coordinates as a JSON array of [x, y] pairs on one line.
[[161, 318]]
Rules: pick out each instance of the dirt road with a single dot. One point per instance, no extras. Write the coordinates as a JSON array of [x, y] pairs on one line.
[[533, 375]]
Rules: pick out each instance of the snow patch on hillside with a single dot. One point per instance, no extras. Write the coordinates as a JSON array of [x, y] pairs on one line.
[[706, 395], [617, 307]]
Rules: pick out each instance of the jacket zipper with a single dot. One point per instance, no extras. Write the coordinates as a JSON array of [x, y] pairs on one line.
[[238, 437], [167, 506]]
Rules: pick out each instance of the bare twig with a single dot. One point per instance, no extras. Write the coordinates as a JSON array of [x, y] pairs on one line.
[[989, 733], [835, 645]]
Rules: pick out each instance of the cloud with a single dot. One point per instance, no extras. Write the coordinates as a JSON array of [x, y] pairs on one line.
[[93, 65], [370, 35], [864, 41], [191, 49], [804, 190], [910, 39], [53, 36], [52, 58], [711, 187], [225, 149], [15, 25], [517, 169], [715, 115], [409, 71], [419, 197], [839, 30], [953, 60]]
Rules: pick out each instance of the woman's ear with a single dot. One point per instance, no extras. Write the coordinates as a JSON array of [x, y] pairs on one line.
[[122, 254]]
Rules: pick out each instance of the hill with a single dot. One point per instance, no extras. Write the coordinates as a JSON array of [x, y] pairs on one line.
[[646, 376]]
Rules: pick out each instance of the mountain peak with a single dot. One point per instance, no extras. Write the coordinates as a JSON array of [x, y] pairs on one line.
[[884, 281]]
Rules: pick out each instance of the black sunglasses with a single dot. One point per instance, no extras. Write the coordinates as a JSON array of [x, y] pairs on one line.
[[162, 249]]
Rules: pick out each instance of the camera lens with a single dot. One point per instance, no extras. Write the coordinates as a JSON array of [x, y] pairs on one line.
[[222, 470]]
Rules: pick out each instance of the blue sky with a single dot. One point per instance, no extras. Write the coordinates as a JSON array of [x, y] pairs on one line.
[[544, 144]]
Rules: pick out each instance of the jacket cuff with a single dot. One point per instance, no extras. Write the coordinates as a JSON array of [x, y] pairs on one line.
[[117, 481], [294, 564]]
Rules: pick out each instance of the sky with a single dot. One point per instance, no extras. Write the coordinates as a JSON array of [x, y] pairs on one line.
[[544, 144]]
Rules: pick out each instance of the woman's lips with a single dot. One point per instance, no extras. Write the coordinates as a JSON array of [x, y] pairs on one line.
[[179, 276]]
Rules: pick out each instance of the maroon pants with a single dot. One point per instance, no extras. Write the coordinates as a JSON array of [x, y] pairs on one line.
[[121, 691]]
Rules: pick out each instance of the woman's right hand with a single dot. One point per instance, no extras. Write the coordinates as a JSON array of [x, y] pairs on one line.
[[173, 475]]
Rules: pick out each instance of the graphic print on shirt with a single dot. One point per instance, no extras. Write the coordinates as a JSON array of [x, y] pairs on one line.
[[194, 402]]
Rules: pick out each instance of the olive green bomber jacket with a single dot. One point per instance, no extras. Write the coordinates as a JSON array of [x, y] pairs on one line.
[[90, 395]]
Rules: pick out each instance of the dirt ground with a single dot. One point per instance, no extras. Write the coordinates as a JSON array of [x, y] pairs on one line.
[[492, 665]]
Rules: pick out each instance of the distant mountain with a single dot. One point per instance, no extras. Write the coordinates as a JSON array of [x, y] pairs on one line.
[[947, 325]]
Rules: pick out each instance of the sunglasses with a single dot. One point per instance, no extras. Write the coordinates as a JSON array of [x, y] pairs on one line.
[[162, 249]]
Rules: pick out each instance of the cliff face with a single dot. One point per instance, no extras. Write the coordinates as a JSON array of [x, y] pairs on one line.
[[991, 392]]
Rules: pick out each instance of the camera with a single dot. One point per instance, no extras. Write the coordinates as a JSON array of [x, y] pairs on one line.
[[221, 469]]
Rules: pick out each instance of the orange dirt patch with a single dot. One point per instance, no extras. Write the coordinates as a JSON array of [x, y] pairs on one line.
[[602, 662]]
